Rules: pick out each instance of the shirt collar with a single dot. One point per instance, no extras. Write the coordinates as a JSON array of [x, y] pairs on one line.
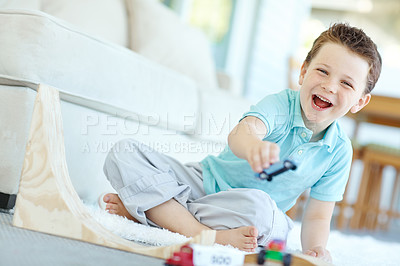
[[298, 119], [331, 136]]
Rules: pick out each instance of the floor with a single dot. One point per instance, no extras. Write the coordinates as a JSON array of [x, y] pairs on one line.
[[24, 247]]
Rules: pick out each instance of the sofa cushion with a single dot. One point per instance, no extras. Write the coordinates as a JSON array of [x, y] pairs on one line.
[[157, 33], [16, 105], [102, 18], [220, 112], [88, 136], [24, 4], [44, 49]]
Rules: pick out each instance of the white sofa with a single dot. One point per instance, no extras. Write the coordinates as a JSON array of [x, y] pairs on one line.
[[108, 91]]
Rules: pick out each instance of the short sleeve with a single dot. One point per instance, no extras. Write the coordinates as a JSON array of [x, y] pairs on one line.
[[331, 186], [270, 109]]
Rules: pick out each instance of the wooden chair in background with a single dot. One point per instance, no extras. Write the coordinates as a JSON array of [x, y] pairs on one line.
[[367, 210], [344, 205]]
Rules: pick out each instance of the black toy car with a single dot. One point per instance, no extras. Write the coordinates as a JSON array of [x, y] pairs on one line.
[[276, 169]]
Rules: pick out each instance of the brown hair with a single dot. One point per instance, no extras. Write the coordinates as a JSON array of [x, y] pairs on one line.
[[356, 41]]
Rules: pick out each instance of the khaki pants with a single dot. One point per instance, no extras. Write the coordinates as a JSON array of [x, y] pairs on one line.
[[145, 178]]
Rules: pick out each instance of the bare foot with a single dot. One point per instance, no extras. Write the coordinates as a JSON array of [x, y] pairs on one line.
[[115, 206], [243, 238]]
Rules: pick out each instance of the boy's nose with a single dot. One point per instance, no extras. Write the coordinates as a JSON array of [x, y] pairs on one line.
[[329, 86]]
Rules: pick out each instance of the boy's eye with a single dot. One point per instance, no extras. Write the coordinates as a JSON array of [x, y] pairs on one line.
[[347, 84], [322, 71]]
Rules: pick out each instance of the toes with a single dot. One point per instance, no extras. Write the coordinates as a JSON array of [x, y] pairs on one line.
[[110, 197], [253, 231], [111, 207], [249, 247], [250, 243], [112, 211], [107, 197], [251, 240], [249, 231]]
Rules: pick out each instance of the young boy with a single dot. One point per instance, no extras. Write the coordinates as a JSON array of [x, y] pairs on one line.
[[222, 193]]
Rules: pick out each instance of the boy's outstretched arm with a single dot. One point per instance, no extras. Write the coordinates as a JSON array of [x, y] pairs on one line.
[[316, 227], [245, 141]]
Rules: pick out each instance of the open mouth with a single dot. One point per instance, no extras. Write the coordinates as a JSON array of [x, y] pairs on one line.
[[320, 103]]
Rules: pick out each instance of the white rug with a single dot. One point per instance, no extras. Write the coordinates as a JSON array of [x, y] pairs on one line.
[[130, 230], [345, 249], [353, 250]]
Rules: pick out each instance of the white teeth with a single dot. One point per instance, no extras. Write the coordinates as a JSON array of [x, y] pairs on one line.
[[323, 99]]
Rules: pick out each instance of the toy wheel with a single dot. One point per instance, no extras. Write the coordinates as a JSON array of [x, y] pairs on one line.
[[263, 175], [287, 259], [261, 257], [289, 165]]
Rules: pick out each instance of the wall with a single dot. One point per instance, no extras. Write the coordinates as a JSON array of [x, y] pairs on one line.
[[276, 38]]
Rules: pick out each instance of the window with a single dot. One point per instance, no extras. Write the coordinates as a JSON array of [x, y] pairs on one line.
[[213, 17]]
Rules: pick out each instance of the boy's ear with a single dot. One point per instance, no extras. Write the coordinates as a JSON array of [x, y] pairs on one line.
[[303, 71], [363, 101]]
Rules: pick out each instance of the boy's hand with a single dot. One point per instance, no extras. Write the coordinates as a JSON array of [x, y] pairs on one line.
[[319, 252], [262, 154]]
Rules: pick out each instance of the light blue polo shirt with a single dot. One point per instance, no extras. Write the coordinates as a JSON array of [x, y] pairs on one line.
[[323, 166]]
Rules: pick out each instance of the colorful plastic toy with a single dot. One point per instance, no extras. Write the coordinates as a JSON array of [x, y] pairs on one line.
[[275, 251], [199, 255], [276, 169], [184, 257]]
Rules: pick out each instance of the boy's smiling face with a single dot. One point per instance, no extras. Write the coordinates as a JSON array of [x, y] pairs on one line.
[[331, 85]]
